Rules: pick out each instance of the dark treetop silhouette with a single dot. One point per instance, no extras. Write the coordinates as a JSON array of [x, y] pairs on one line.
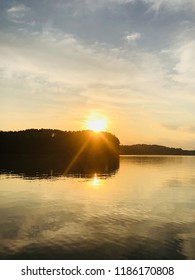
[[33, 150], [143, 149]]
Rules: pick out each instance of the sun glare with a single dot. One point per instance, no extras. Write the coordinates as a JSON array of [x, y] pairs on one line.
[[95, 181], [96, 124]]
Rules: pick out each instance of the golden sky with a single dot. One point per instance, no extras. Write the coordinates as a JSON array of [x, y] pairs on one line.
[[128, 62]]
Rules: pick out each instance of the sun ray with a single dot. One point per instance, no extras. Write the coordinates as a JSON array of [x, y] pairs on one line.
[[109, 144], [76, 157]]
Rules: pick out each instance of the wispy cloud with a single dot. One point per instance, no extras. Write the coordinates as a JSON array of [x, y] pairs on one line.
[[62, 57], [132, 38], [171, 5], [60, 71], [18, 12], [179, 127], [77, 52], [184, 68], [155, 4]]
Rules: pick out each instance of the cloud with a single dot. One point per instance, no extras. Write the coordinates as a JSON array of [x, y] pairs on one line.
[[49, 73], [60, 70], [184, 67], [100, 3], [173, 127], [180, 127], [90, 5], [171, 5], [132, 38], [155, 4], [17, 13], [63, 58]]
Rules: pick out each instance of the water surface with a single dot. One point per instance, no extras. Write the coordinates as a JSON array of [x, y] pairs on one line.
[[144, 210]]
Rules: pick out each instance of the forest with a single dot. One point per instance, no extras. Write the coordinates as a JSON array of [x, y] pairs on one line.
[[144, 149], [67, 151]]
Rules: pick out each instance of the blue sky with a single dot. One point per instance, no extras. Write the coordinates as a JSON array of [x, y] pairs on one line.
[[130, 61]]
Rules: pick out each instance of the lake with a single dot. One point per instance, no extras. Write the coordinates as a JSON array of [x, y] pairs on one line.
[[143, 210]]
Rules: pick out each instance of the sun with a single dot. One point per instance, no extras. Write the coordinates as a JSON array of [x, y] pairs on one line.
[[96, 123]]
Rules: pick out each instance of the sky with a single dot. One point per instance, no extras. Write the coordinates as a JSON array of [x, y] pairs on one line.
[[130, 62]]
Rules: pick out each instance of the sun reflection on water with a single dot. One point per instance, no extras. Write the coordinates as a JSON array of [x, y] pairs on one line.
[[95, 181]]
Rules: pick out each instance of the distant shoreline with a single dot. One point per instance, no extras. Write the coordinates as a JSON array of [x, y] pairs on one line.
[[53, 141], [145, 149]]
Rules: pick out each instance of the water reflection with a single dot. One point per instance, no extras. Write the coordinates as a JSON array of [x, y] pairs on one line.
[[146, 210], [95, 181], [45, 167], [152, 160]]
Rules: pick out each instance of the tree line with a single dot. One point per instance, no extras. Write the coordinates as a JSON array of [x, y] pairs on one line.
[[76, 150], [144, 149]]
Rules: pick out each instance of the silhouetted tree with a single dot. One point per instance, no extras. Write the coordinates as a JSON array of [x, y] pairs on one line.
[[143, 149], [81, 150]]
